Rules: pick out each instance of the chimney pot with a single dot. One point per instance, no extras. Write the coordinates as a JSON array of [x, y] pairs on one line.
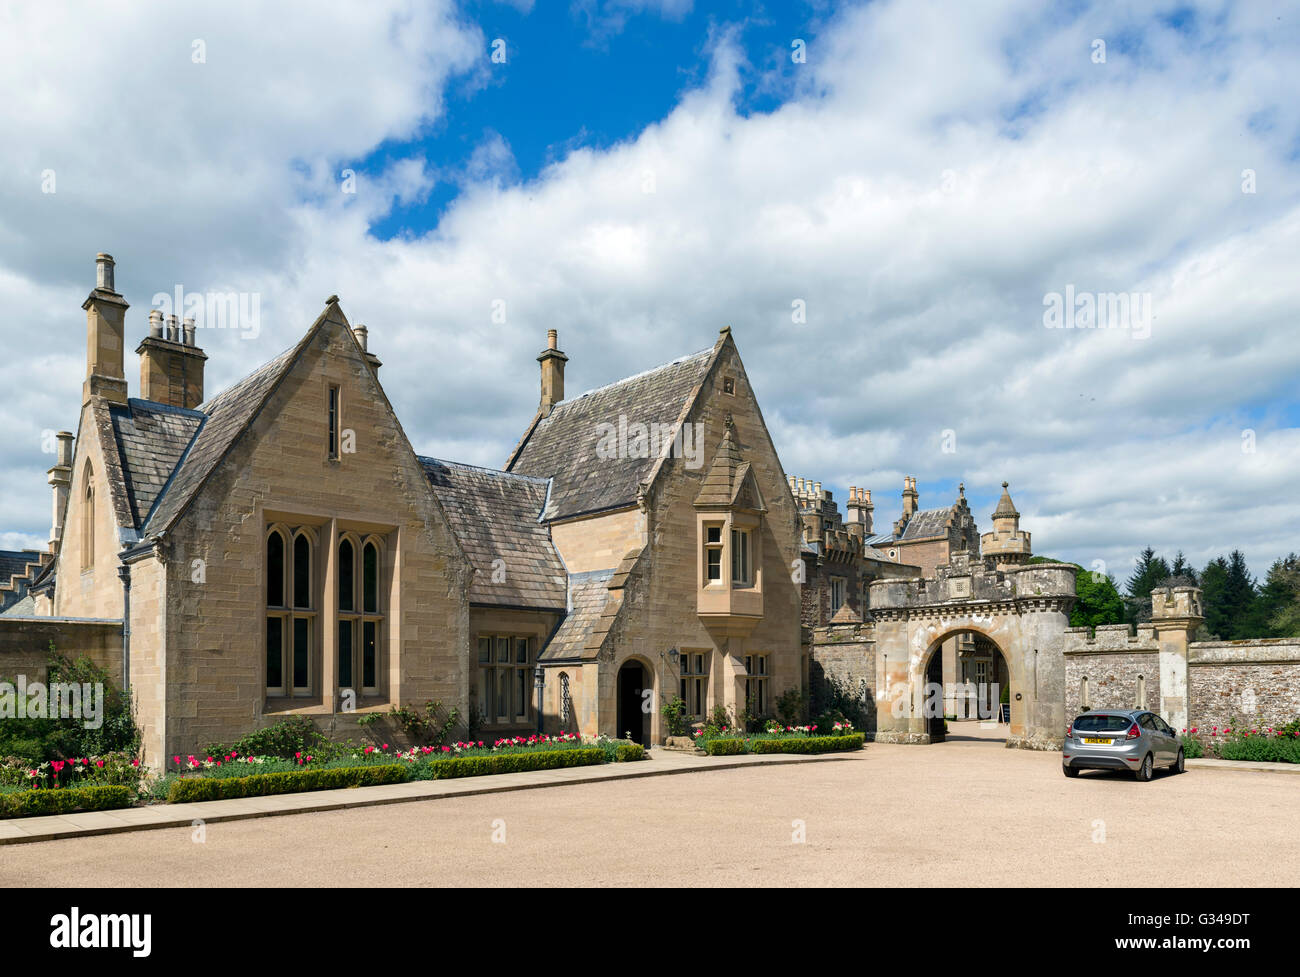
[[552, 339], [173, 328], [156, 324], [363, 336], [189, 332], [104, 272]]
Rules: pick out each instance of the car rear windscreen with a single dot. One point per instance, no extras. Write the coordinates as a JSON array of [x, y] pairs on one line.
[[1102, 724]]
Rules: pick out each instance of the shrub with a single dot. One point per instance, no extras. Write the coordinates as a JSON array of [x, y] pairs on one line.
[[722, 747], [835, 700], [286, 739], [674, 713], [30, 803], [191, 789], [433, 727], [476, 766], [1192, 748], [629, 751], [790, 706], [811, 744], [44, 739]]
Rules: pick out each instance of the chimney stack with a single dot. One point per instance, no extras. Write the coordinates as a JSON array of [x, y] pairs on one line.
[[171, 363], [910, 497], [362, 335], [552, 360], [105, 336], [60, 479]]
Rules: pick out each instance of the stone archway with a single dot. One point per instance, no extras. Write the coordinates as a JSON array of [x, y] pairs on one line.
[[1024, 611]]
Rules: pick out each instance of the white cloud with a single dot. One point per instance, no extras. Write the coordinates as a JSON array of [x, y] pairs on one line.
[[936, 172]]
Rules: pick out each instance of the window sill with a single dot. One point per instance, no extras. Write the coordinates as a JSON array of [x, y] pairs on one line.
[[315, 706]]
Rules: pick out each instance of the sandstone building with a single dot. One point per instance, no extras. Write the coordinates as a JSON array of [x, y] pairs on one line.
[[280, 549]]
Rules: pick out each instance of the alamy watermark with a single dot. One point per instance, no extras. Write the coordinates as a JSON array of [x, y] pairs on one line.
[[1098, 310], [57, 700], [214, 310], [637, 440]]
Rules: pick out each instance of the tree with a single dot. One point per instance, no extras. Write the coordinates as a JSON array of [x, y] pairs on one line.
[[1147, 575], [1278, 607], [1240, 597], [1098, 600], [1181, 568], [1214, 588]]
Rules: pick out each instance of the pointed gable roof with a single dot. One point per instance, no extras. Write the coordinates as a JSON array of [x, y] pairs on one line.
[[226, 417], [730, 480], [562, 445]]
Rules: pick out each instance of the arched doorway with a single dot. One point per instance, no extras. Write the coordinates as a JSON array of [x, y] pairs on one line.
[[967, 672], [633, 720]]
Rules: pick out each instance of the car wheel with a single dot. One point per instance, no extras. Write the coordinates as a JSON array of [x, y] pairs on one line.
[[1145, 772], [1181, 763], [1069, 771]]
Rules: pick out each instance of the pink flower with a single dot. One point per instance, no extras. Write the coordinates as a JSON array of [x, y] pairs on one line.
[[99, 763], [385, 746], [176, 759]]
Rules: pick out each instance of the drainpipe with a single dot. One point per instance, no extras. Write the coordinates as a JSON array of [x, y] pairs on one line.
[[124, 574]]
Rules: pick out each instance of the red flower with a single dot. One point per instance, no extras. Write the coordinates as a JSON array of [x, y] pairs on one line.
[[99, 763]]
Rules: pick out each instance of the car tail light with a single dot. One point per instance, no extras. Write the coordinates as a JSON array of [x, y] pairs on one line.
[[1069, 731], [1133, 732]]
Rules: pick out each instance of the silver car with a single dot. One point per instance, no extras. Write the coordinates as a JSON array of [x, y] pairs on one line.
[[1121, 739]]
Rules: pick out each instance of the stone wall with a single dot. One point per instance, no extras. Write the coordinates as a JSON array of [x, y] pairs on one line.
[[25, 645], [1249, 681], [845, 653], [1116, 680]]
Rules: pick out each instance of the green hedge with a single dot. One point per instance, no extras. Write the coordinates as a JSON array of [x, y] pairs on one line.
[[476, 766], [29, 803], [628, 752], [810, 744], [724, 747], [191, 789]]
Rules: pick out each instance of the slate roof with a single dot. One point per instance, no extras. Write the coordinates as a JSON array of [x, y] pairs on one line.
[[588, 595], [562, 445], [225, 416], [150, 439], [927, 523], [14, 562], [495, 514]]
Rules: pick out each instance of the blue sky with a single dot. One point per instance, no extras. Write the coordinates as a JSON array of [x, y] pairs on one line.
[[577, 77]]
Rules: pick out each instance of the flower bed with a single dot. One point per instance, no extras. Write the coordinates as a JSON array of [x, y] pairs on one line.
[[810, 744], [731, 741], [110, 769], [339, 774], [1257, 744]]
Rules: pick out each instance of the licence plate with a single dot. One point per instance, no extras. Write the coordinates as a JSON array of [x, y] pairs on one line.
[[1096, 739]]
